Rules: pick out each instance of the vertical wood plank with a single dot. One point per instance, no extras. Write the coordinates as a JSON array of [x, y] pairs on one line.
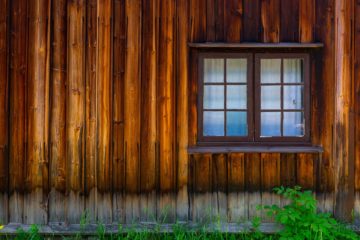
[[132, 108], [288, 172], [118, 111], [324, 32], [90, 109], [270, 19], [270, 178], [252, 20], [198, 20], [305, 170], [253, 183], [4, 109], [289, 31], [166, 93], [237, 200], [18, 76], [37, 156], [344, 115], [219, 20], [357, 109], [201, 187], [75, 114], [233, 20], [306, 20], [210, 20], [219, 187], [57, 114], [149, 99], [104, 112], [182, 112]]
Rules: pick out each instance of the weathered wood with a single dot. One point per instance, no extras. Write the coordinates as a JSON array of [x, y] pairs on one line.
[[253, 183], [18, 76], [233, 20], [37, 146], [219, 187], [306, 20], [132, 108], [104, 112], [118, 168], [357, 108], [256, 45], [166, 94], [252, 21], [305, 171], [4, 108], [90, 109], [270, 20], [270, 178], [219, 20], [198, 20], [182, 112], [75, 111], [237, 201], [58, 112], [289, 19], [324, 32], [211, 20], [344, 113], [288, 172]]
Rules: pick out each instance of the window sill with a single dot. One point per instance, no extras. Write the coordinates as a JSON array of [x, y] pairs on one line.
[[255, 149]]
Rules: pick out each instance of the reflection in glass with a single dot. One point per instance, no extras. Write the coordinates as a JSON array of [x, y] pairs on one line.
[[270, 124], [213, 123], [236, 70], [270, 70], [236, 97], [236, 124], [293, 124], [293, 97], [213, 97], [293, 70], [270, 97], [213, 70]]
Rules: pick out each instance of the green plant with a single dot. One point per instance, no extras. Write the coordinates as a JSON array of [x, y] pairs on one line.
[[32, 234], [301, 221]]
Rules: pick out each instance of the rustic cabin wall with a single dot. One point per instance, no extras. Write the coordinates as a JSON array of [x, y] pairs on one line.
[[98, 105]]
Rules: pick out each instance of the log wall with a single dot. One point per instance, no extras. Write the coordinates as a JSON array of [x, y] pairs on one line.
[[98, 107]]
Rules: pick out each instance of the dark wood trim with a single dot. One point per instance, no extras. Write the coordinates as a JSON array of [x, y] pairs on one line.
[[212, 45], [255, 149]]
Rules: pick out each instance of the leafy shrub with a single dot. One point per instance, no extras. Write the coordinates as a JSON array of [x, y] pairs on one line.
[[301, 221]]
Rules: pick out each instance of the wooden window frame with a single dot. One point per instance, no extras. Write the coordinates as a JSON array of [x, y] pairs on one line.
[[254, 98]]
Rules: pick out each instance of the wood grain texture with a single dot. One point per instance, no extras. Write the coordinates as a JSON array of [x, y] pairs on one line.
[[270, 20], [149, 98], [219, 187], [4, 108], [58, 71], [289, 19], [233, 14], [357, 107], [306, 20], [118, 168], [91, 92], [75, 111], [18, 79], [305, 163], [253, 182], [252, 20], [36, 179], [132, 108], [344, 115]]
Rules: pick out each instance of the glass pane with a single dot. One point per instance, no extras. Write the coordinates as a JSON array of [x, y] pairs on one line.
[[293, 70], [236, 70], [270, 70], [213, 70], [236, 97], [294, 124], [236, 124], [270, 124], [213, 97], [213, 123], [270, 97], [293, 97]]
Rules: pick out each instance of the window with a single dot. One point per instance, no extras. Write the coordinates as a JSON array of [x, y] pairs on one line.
[[260, 97]]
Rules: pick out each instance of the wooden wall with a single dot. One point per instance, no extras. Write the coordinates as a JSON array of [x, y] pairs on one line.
[[95, 99]]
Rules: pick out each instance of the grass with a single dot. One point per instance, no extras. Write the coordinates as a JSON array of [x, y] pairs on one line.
[[299, 220]]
